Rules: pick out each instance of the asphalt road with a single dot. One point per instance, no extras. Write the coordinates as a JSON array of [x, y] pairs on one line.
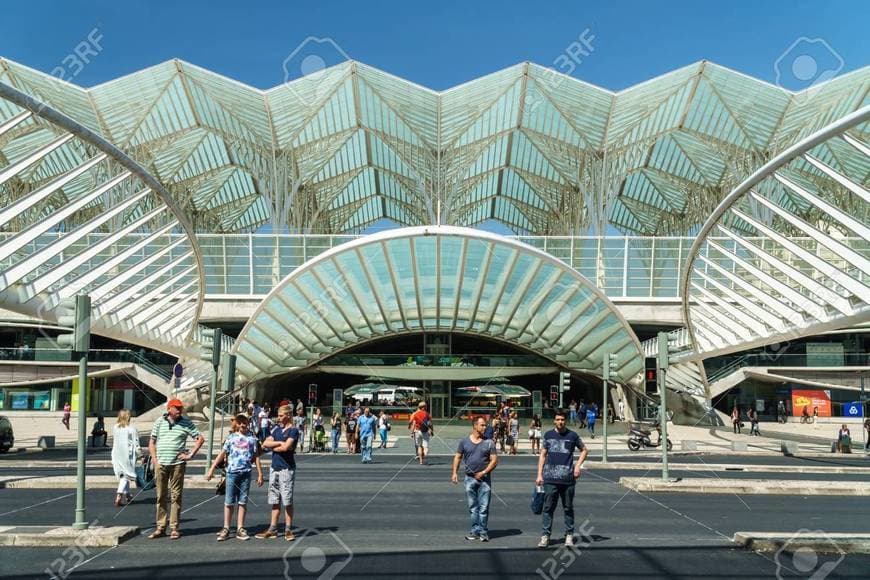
[[396, 519]]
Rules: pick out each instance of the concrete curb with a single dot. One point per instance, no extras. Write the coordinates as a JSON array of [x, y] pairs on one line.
[[93, 482], [47, 536], [818, 541], [747, 486]]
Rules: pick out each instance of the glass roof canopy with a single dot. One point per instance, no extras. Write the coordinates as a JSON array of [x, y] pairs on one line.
[[539, 151], [436, 279]]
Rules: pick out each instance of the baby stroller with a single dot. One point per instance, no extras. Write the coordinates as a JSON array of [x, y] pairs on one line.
[[320, 439]]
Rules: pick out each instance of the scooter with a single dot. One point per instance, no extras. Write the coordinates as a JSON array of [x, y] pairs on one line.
[[638, 437]]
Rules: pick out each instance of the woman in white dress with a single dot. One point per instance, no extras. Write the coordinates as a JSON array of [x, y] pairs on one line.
[[125, 452]]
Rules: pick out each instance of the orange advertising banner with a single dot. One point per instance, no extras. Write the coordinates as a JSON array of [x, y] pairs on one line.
[[810, 399]]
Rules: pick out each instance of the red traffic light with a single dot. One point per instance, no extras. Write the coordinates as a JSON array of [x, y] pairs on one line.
[[650, 375]]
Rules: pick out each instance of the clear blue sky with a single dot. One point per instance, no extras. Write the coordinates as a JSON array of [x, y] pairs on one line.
[[436, 44]]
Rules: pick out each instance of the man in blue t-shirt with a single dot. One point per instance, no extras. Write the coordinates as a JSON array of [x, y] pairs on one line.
[[480, 459], [282, 474], [558, 474], [366, 427]]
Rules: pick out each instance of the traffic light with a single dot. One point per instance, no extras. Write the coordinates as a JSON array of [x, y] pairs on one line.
[[554, 393], [666, 347], [610, 367], [312, 393], [651, 381], [229, 382], [76, 314], [211, 346], [565, 381]]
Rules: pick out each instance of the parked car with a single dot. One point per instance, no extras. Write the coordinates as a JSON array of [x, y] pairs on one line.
[[7, 437]]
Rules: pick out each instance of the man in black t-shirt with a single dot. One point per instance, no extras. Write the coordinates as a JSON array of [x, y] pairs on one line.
[[558, 474]]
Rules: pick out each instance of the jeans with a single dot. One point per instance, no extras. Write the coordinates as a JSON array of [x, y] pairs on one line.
[[477, 494], [366, 442], [591, 427], [383, 433], [238, 486], [572, 417], [336, 435], [553, 492]]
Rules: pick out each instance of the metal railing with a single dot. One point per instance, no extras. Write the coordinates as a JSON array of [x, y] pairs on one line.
[[728, 365], [438, 360]]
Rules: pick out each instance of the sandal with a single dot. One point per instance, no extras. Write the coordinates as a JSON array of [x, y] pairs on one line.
[[158, 533], [174, 534]]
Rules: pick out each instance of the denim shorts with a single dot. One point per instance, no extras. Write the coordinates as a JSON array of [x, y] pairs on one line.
[[238, 485]]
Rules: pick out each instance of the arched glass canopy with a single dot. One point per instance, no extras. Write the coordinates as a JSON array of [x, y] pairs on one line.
[[435, 279]]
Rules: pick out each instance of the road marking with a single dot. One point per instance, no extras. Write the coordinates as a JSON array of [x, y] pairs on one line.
[[37, 504]]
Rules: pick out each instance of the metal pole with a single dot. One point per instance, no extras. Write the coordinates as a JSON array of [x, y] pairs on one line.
[[80, 342], [605, 373], [80, 521], [663, 403], [212, 412], [863, 416]]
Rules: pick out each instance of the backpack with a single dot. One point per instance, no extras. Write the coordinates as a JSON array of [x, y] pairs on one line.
[[426, 425]]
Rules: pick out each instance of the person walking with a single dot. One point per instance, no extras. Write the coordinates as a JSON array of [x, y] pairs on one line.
[[241, 451], [420, 425], [581, 413], [480, 459], [844, 439], [621, 409], [125, 453], [263, 422], [867, 429], [366, 427], [351, 432], [735, 419], [316, 426], [67, 411], [513, 432], [299, 422], [753, 422], [300, 407], [336, 431], [535, 434], [558, 474], [383, 428], [780, 412], [282, 474], [166, 445], [815, 417], [501, 434], [572, 410], [591, 417]]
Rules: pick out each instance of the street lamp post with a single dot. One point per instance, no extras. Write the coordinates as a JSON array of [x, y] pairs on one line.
[[76, 313], [663, 405]]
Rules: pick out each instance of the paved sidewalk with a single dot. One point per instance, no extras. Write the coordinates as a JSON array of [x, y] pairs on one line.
[[811, 439]]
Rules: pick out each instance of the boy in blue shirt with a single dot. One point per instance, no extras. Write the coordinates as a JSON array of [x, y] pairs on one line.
[[241, 450], [366, 426]]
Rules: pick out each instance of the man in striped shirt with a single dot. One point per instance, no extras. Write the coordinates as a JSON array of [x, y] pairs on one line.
[[167, 447]]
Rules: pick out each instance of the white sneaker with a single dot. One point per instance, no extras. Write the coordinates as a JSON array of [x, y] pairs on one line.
[[569, 540], [545, 541]]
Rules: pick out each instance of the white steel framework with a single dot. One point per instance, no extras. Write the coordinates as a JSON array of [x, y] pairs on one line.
[[436, 279], [78, 215], [805, 267]]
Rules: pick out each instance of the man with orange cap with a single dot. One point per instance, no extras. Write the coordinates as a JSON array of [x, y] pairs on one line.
[[167, 447]]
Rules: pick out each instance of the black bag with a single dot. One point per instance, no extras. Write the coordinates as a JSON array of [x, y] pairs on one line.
[[509, 441], [426, 426], [145, 474], [537, 503], [221, 488]]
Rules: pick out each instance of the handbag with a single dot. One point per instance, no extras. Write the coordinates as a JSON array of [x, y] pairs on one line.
[[221, 488], [145, 474], [537, 503]]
